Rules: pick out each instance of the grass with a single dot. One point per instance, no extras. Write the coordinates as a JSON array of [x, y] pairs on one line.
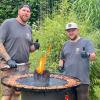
[[97, 91]]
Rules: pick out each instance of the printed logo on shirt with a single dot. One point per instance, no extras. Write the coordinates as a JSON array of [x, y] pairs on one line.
[[28, 36], [77, 50]]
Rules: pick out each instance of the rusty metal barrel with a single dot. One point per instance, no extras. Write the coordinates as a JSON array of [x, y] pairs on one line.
[[55, 89]]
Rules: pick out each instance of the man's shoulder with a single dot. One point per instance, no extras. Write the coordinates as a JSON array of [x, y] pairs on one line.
[[66, 43], [86, 42], [85, 39], [9, 20], [28, 25]]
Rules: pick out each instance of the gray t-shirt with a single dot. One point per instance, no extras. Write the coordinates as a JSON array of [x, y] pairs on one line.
[[74, 64], [17, 39]]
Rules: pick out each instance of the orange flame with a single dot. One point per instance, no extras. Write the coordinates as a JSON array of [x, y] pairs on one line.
[[40, 69]]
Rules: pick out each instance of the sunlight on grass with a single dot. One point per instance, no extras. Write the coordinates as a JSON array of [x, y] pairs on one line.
[[97, 91]]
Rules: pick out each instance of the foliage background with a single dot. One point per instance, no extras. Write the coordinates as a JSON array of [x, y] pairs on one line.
[[48, 20]]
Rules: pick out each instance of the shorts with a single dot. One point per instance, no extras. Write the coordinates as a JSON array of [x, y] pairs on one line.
[[7, 91]]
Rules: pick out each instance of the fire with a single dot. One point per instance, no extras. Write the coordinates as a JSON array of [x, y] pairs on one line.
[[40, 69], [41, 66]]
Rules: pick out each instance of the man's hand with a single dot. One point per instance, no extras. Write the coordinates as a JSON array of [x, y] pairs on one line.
[[36, 45], [61, 69], [12, 63]]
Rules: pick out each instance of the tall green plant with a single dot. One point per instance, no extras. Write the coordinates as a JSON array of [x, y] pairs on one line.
[[88, 10]]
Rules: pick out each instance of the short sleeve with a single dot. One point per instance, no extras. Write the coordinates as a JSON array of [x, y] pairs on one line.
[[90, 47], [3, 31], [30, 28], [62, 53]]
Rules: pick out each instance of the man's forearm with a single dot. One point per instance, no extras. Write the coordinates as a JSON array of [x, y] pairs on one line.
[[61, 62], [3, 52]]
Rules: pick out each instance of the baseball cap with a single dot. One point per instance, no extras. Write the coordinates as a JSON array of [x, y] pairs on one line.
[[71, 25], [24, 5]]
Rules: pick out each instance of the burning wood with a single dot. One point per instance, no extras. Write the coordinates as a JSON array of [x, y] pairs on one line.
[[42, 79], [41, 68], [41, 76]]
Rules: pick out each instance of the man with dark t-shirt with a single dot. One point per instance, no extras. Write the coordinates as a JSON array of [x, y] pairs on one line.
[[15, 45], [74, 59]]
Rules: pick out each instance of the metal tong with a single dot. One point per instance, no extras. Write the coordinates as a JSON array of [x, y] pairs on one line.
[[6, 67]]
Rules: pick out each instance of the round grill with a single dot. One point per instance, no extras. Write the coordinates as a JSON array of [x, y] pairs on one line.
[[26, 81]]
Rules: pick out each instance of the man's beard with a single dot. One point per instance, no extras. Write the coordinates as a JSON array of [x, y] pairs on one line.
[[74, 38], [21, 17]]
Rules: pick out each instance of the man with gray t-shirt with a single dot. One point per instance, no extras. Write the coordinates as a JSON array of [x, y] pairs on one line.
[[15, 45], [74, 60]]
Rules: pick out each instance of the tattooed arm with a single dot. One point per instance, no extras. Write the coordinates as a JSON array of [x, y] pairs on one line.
[[3, 52]]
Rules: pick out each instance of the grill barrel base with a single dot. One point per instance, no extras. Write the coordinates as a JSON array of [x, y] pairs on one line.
[[43, 96], [58, 88]]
